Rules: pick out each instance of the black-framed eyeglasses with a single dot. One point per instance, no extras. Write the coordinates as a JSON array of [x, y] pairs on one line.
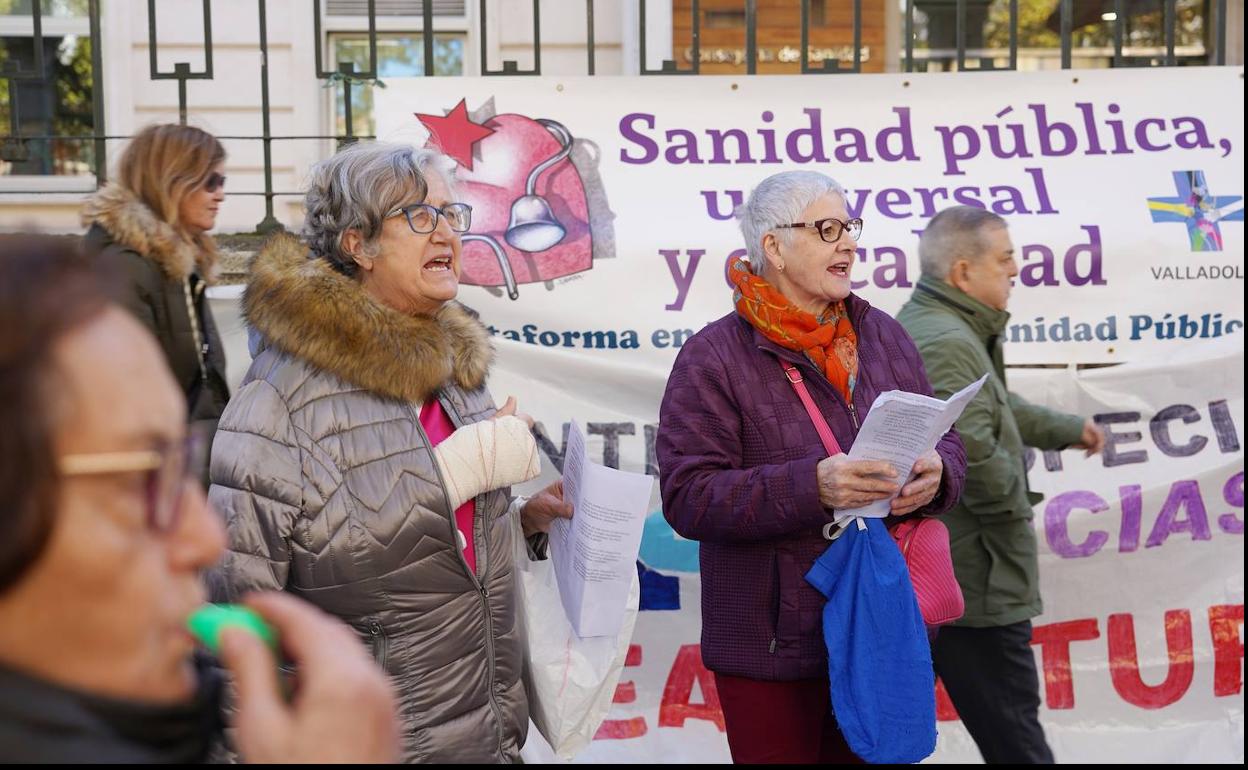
[[830, 229], [423, 217], [166, 473], [214, 182]]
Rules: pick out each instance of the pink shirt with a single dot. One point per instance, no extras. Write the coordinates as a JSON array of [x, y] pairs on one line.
[[439, 426]]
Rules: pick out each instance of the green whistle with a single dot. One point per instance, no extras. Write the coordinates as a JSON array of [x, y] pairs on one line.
[[207, 623]]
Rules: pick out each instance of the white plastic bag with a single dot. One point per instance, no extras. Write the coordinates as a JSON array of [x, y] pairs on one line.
[[570, 681]]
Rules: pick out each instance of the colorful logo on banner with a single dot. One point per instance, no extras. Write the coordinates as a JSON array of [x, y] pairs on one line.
[[531, 209], [1198, 209], [663, 549]]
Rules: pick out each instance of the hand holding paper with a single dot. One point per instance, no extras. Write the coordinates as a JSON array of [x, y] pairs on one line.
[[845, 483], [541, 510], [923, 485], [900, 428]]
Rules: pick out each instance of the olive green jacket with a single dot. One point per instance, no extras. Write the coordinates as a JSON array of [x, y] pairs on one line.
[[990, 529]]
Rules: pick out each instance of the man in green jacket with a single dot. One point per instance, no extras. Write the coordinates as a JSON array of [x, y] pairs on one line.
[[957, 318]]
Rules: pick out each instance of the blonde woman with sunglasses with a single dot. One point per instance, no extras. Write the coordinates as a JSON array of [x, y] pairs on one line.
[[152, 222]]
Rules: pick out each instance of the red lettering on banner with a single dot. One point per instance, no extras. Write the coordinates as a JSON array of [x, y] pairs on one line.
[[1124, 665], [1054, 640], [1225, 621], [633, 656], [621, 729], [945, 712], [675, 707], [625, 692]]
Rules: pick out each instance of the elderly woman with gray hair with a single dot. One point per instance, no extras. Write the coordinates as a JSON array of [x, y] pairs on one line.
[[743, 470], [363, 465]]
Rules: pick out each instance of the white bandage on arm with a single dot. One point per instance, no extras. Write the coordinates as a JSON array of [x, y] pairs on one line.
[[487, 455]]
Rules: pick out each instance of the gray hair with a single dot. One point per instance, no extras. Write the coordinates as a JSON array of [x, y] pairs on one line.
[[953, 234], [357, 187], [779, 199]]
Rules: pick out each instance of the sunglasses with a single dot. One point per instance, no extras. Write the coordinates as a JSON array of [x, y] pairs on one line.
[[214, 182]]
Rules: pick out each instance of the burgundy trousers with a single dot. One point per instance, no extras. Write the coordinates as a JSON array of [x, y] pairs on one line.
[[781, 722]]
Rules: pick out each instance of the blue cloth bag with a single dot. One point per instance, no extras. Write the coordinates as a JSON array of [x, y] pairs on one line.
[[879, 660]]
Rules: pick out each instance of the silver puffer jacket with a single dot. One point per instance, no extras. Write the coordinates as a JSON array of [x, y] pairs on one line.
[[329, 489]]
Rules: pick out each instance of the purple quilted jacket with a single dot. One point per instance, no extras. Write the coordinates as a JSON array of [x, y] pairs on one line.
[[737, 455]]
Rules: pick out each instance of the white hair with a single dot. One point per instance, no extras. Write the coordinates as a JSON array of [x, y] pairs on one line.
[[357, 187], [779, 199]]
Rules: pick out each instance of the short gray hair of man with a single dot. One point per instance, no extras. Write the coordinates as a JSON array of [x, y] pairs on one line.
[[779, 199], [357, 187], [953, 234]]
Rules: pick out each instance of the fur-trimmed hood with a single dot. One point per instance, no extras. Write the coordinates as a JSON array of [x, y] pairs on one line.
[[306, 308], [134, 225]]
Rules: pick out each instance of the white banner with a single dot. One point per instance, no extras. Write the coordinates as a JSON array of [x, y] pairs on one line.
[[1142, 563], [1122, 190], [604, 205]]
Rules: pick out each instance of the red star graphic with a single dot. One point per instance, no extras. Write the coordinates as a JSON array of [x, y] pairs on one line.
[[455, 134]]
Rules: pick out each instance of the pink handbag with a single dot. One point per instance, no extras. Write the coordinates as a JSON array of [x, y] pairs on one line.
[[924, 544], [924, 541]]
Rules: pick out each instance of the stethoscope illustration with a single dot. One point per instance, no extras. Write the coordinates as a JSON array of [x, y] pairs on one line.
[[533, 226]]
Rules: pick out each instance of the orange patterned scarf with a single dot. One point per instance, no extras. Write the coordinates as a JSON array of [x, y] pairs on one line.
[[828, 341]]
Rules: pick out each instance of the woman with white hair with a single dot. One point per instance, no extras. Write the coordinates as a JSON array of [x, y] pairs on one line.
[[743, 470], [363, 465]]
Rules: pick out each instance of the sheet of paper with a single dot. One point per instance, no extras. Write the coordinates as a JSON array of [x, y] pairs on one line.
[[899, 429], [595, 554]]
